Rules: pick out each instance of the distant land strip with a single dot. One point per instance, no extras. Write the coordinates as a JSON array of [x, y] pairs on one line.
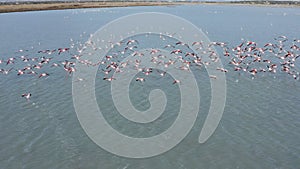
[[6, 7]]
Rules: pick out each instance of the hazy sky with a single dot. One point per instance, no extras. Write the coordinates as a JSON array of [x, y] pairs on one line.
[[136, 0]]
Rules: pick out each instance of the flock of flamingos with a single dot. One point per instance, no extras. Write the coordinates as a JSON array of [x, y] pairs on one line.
[[248, 57]]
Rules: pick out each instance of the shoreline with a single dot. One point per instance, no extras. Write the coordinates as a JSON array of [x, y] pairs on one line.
[[41, 6]]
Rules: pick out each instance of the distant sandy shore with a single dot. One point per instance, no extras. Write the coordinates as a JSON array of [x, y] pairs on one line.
[[6, 8]]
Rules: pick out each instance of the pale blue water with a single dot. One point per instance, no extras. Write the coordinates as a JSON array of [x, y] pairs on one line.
[[259, 128]]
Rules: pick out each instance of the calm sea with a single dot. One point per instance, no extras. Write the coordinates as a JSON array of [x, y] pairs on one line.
[[259, 128]]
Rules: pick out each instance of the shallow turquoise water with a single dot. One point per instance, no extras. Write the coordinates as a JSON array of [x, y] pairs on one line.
[[259, 128]]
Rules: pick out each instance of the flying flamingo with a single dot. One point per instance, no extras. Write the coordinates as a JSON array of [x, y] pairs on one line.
[[140, 79], [26, 96], [43, 75]]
